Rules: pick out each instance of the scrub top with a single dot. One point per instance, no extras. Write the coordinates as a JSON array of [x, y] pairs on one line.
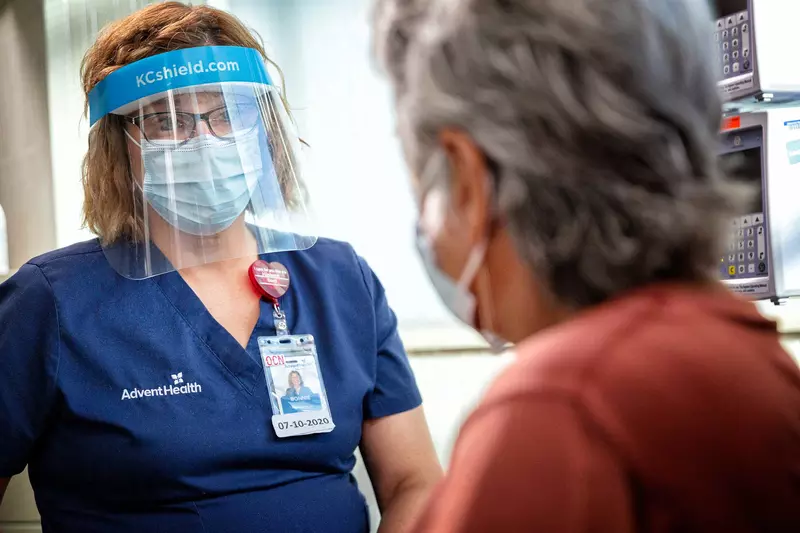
[[80, 345]]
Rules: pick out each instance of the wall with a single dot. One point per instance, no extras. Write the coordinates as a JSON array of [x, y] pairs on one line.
[[71, 27], [359, 182], [26, 187]]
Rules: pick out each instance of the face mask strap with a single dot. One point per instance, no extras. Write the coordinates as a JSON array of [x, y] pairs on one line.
[[474, 262], [134, 141]]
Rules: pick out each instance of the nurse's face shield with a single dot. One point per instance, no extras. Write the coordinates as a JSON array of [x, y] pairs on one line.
[[214, 160]]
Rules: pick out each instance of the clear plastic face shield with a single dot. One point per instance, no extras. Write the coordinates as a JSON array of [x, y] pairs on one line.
[[215, 165]]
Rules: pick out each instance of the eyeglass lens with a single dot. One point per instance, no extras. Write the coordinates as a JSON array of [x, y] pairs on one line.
[[224, 123]]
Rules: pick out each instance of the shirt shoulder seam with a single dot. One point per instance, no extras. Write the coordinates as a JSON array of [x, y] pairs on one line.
[[39, 262], [52, 386]]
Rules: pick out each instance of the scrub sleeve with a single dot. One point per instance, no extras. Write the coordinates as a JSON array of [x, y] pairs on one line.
[[29, 340]]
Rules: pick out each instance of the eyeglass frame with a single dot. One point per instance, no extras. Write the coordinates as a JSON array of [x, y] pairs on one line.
[[136, 121]]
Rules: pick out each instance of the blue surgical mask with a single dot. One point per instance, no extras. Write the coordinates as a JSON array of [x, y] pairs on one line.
[[456, 295], [203, 186]]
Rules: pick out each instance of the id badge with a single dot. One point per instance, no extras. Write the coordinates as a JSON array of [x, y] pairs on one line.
[[296, 390]]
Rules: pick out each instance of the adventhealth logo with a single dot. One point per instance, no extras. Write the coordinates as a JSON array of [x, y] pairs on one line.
[[177, 387], [166, 73]]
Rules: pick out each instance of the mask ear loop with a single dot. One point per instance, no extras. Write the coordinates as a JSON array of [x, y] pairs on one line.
[[487, 320], [134, 141]]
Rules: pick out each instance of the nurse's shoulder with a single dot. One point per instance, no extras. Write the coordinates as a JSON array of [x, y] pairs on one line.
[[341, 253], [336, 262], [71, 265], [31, 307]]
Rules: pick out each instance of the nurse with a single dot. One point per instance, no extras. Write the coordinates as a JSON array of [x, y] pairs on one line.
[[141, 373], [571, 203]]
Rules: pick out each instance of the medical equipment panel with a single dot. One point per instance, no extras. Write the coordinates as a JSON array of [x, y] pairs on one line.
[[756, 48], [762, 255]]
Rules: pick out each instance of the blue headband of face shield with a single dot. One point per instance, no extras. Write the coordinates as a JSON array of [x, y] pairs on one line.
[[178, 69], [204, 184]]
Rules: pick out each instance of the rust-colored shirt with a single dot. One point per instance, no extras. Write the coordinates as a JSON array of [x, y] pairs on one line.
[[668, 410]]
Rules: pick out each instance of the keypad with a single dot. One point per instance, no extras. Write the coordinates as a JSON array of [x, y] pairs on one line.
[[733, 37], [746, 255]]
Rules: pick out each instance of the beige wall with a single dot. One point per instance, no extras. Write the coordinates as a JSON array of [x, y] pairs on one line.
[[26, 185]]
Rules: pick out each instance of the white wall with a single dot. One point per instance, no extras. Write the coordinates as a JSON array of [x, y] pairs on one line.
[[359, 182], [71, 27]]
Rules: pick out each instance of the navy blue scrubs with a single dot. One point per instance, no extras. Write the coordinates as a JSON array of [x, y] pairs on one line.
[[83, 352]]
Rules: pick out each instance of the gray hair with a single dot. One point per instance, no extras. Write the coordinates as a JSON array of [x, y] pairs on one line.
[[600, 118]]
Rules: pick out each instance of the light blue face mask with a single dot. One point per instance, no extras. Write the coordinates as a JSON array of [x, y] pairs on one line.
[[203, 186], [456, 295]]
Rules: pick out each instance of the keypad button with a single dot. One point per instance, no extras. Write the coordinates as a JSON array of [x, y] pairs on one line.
[[746, 65], [725, 46], [732, 270], [746, 53], [745, 28], [741, 245], [736, 67], [720, 24], [726, 70], [726, 58], [716, 36], [741, 269], [762, 267], [742, 16], [751, 243], [760, 256], [751, 256], [735, 43], [735, 32], [751, 268], [741, 257], [750, 232], [725, 34], [731, 258], [760, 230], [735, 54], [730, 21], [740, 233]]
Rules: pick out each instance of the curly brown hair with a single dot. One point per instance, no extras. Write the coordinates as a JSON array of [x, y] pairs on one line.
[[110, 209]]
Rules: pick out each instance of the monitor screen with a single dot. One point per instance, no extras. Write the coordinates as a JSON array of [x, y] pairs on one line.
[[745, 166], [725, 8]]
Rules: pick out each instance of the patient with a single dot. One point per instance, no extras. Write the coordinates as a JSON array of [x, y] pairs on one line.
[[564, 155]]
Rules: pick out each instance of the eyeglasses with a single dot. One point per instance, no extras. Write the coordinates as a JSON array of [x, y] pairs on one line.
[[179, 126]]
